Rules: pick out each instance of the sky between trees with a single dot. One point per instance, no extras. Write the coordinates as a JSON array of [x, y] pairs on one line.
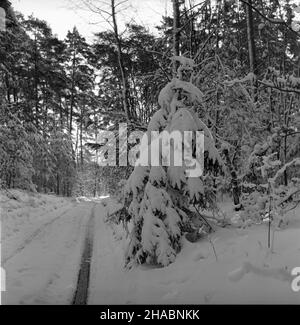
[[62, 15]]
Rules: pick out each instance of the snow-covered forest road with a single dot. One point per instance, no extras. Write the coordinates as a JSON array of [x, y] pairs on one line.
[[62, 251], [42, 267]]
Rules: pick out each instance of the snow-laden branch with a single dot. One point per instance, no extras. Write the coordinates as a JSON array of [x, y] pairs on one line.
[[295, 162]]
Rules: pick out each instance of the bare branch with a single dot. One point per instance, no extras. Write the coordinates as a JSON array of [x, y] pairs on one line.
[[193, 7], [288, 90], [271, 20], [120, 3]]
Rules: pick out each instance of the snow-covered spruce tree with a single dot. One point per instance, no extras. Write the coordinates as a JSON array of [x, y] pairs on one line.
[[158, 196]]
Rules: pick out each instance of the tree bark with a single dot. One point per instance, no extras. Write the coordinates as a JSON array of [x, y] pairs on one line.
[[176, 33], [236, 191], [81, 138], [125, 91], [250, 35], [72, 90]]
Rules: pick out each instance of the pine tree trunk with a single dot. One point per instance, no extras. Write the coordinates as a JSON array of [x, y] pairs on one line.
[[234, 180], [72, 91], [36, 82], [250, 35], [125, 91], [176, 33], [81, 139]]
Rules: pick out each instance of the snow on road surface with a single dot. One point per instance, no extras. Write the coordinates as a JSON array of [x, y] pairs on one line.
[[42, 266], [43, 257], [83, 283]]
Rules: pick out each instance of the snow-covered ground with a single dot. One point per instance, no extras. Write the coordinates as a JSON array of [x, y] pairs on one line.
[[42, 243], [42, 238], [22, 216], [243, 270]]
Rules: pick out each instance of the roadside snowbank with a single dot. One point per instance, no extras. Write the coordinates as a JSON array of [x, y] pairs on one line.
[[22, 213]]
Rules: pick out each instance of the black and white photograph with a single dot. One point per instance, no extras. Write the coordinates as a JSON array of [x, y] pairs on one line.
[[150, 154]]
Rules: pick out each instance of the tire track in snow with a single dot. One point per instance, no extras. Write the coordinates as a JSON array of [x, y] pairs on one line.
[[46, 270], [82, 290], [75, 238], [33, 236]]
